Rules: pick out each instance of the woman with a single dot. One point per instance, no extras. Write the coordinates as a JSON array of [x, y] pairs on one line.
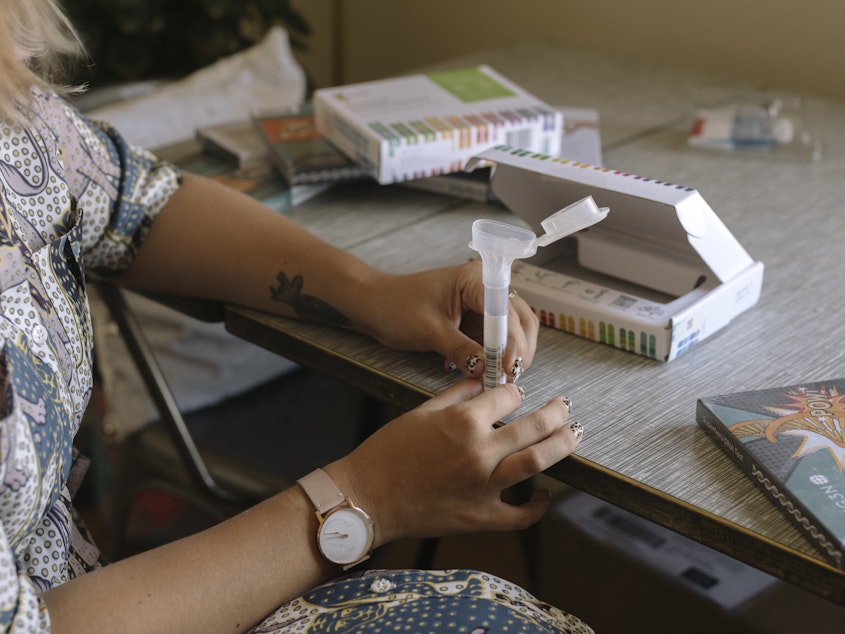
[[76, 199]]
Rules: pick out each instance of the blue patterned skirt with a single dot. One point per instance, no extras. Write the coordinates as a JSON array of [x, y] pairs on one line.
[[420, 601]]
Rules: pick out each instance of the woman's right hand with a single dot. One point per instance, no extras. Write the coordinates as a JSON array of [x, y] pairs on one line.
[[442, 467]]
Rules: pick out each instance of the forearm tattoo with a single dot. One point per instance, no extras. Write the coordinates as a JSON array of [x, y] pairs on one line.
[[306, 306]]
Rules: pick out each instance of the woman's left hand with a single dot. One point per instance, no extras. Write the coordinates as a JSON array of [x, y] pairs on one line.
[[442, 310]]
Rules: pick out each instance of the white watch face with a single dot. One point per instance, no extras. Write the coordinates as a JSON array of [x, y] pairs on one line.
[[346, 535]]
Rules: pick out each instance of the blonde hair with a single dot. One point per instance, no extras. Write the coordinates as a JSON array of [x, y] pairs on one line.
[[38, 46]]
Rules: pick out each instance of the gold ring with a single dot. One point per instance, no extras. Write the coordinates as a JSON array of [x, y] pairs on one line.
[[511, 294]]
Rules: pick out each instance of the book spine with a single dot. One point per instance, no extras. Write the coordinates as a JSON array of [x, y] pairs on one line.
[[272, 152], [280, 201], [303, 193], [771, 486]]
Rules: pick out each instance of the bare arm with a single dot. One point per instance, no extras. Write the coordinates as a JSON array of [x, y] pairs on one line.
[[224, 579], [212, 241]]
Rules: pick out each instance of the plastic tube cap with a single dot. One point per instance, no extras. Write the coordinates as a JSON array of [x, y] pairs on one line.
[[571, 219]]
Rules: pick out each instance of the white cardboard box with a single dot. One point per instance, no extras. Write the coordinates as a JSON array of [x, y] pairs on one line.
[[658, 275], [429, 124], [621, 573]]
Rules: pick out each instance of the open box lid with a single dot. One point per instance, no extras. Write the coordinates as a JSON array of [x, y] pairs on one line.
[[657, 234]]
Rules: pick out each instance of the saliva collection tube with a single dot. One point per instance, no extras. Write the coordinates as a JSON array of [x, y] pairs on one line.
[[499, 245]]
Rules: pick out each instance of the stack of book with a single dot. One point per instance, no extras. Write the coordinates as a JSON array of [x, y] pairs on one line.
[[252, 177], [299, 151], [277, 157]]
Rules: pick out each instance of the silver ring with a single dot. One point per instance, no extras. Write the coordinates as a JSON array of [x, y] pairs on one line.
[[511, 294]]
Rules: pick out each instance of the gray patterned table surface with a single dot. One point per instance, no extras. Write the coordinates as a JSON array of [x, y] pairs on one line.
[[643, 449]]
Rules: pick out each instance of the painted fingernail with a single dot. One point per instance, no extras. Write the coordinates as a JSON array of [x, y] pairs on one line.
[[517, 369], [567, 404], [577, 430], [521, 392], [471, 363], [451, 366]]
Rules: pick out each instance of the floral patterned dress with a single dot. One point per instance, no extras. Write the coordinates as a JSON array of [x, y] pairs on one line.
[[75, 198]]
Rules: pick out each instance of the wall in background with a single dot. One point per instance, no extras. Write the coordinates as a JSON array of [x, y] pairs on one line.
[[319, 58], [783, 45]]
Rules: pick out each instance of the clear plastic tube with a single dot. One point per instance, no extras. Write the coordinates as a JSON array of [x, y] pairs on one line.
[[499, 245]]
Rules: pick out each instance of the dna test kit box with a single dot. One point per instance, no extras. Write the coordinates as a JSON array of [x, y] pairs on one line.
[[659, 274], [430, 124]]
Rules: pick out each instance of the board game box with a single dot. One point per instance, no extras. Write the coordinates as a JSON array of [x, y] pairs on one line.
[[791, 442]]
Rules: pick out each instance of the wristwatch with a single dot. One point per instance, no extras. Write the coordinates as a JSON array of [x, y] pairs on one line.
[[345, 535]]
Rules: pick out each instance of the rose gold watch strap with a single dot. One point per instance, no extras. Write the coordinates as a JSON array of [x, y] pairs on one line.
[[321, 490]]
